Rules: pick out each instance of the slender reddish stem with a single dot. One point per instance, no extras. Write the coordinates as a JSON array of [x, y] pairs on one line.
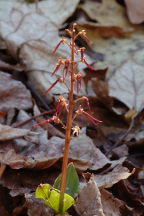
[[68, 127]]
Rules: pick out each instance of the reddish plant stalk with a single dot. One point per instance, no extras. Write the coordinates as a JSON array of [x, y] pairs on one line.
[[68, 125]]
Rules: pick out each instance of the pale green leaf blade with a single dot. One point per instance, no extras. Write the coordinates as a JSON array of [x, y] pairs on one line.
[[72, 182], [51, 197], [42, 191]]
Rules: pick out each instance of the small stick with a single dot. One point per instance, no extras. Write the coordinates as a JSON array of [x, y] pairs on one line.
[[32, 118]]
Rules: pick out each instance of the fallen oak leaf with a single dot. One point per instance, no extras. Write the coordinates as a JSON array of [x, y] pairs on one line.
[[104, 12], [127, 85], [88, 202], [13, 94], [8, 133], [108, 180], [113, 206], [56, 10]]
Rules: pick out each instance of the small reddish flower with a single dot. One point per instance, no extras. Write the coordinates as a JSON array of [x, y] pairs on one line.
[[53, 119], [60, 105], [78, 78], [83, 59], [87, 64], [80, 111], [61, 80], [66, 67], [60, 62], [61, 41]]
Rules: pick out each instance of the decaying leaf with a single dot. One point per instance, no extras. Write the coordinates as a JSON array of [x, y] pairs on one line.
[[108, 180], [38, 27], [127, 85], [57, 11], [105, 12], [135, 11], [88, 202], [40, 156], [8, 133], [37, 207], [85, 155], [13, 94], [113, 206]]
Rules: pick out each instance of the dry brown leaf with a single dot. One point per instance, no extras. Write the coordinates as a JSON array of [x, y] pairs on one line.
[[117, 50], [6, 7], [120, 151], [57, 11], [135, 10], [127, 85], [26, 154], [111, 205], [109, 13], [31, 26], [111, 178], [39, 156], [105, 31], [36, 207], [88, 202], [85, 155], [23, 181], [8, 133], [35, 36], [13, 94]]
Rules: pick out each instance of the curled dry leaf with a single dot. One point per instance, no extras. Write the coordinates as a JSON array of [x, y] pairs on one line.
[[113, 206], [88, 202], [105, 12], [135, 11], [127, 85], [13, 94], [25, 154], [40, 156], [111, 178]]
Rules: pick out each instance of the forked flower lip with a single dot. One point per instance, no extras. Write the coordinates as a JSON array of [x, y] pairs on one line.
[[95, 121], [53, 119]]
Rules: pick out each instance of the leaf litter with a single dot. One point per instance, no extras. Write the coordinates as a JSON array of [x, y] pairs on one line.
[[29, 34]]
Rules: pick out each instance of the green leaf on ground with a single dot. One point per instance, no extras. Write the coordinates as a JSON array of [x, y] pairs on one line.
[[51, 197], [72, 182]]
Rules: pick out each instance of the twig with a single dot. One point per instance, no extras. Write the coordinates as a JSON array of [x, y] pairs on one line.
[[32, 118]]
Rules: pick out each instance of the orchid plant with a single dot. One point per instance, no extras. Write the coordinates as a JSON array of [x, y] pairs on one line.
[[68, 66]]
